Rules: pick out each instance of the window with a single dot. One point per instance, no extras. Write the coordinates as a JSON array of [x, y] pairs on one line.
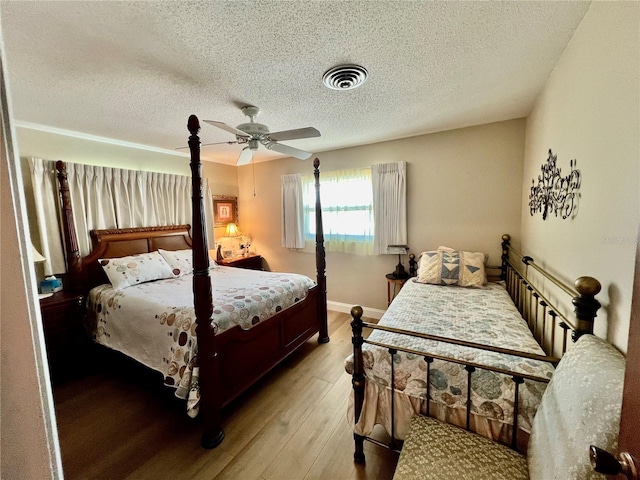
[[363, 210], [347, 210]]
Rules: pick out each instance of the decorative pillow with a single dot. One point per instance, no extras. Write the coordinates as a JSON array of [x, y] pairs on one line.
[[443, 248], [452, 267], [580, 407], [181, 261], [126, 271]]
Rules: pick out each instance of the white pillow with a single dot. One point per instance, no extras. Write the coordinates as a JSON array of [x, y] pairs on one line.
[[181, 261], [124, 272]]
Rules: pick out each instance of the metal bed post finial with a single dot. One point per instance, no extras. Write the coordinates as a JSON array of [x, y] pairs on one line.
[[586, 306], [412, 265], [506, 242]]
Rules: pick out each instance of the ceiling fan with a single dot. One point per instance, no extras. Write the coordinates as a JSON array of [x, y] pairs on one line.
[[253, 134]]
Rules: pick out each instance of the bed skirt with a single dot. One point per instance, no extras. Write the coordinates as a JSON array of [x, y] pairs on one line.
[[376, 410]]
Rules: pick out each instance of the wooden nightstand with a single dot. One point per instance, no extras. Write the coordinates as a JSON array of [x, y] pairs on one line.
[[253, 262], [62, 322], [397, 285]]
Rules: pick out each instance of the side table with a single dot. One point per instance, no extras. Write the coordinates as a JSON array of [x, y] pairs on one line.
[[253, 262], [61, 320], [397, 285]]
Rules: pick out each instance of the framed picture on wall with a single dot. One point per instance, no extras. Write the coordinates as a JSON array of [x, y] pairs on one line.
[[225, 210]]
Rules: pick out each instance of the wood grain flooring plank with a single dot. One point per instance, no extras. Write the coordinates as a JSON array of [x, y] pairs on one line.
[[119, 422]]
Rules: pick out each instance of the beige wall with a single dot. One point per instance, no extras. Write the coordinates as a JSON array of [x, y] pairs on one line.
[[28, 439], [223, 180], [52, 146], [464, 191], [589, 110]]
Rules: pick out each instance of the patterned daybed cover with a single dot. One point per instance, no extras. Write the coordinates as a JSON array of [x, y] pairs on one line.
[[154, 322], [483, 315]]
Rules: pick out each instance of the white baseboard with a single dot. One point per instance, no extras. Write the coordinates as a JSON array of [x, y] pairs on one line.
[[346, 308]]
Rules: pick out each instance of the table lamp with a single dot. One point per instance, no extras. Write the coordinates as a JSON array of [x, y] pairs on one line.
[[232, 230], [400, 250]]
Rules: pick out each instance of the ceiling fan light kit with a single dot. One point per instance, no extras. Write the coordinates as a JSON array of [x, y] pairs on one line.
[[345, 77], [253, 134]]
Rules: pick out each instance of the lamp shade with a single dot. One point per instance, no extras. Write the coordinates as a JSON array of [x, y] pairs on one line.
[[232, 230], [398, 249], [400, 272], [37, 256]]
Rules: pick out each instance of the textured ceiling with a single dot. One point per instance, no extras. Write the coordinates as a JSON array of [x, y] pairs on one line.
[[135, 71]]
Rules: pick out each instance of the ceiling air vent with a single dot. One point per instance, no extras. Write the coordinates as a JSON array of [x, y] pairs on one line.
[[345, 77]]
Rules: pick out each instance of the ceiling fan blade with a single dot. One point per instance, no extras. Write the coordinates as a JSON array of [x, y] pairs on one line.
[[208, 144], [245, 157], [287, 150], [226, 127], [294, 134]]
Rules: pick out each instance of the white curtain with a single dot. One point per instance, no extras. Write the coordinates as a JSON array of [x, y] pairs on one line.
[[45, 194], [347, 211], [105, 197], [389, 205], [292, 212]]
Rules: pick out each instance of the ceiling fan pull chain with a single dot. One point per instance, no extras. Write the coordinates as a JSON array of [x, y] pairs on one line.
[[253, 163]]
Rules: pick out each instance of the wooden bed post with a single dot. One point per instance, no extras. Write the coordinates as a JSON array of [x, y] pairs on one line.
[[357, 379], [203, 303], [586, 306], [323, 334], [70, 240]]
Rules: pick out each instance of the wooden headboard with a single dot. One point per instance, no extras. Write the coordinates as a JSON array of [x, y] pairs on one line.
[[116, 243]]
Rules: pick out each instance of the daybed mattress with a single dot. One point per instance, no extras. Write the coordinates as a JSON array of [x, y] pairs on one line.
[[483, 315], [154, 322]]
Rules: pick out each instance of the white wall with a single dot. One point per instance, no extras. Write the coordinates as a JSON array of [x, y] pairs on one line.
[[589, 110], [464, 190]]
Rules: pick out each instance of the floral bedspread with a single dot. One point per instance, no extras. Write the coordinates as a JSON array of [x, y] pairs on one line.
[[483, 315], [154, 322]]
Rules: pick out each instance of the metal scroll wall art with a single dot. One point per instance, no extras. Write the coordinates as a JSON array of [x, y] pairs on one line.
[[553, 192]]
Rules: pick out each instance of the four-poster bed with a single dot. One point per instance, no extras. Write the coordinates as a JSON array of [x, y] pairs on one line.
[[229, 361]]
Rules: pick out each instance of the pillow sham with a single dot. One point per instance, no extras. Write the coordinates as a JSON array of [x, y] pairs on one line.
[[442, 248], [452, 267], [181, 261], [124, 272]]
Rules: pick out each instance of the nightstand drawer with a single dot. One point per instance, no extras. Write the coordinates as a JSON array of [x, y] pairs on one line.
[[253, 262]]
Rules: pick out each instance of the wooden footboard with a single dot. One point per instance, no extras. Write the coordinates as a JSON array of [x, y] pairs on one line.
[[244, 356], [542, 318]]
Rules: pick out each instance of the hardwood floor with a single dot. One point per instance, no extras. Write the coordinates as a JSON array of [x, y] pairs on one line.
[[120, 422]]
